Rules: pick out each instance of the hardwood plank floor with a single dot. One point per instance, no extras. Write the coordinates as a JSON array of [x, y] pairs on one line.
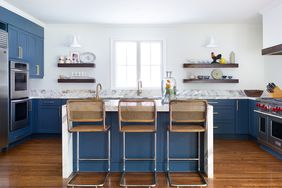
[[238, 163]]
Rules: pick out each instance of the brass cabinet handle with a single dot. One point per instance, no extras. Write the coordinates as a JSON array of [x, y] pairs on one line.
[[19, 52], [215, 113], [37, 70], [215, 127]]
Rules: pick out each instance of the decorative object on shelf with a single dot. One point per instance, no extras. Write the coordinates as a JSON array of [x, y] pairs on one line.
[[253, 93], [61, 59], [75, 57], [75, 43], [68, 60], [232, 57], [222, 61], [224, 77], [211, 43], [215, 58], [230, 77], [216, 74], [87, 57], [168, 88]]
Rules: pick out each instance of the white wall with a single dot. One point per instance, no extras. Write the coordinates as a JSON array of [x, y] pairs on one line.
[[182, 42], [272, 28]]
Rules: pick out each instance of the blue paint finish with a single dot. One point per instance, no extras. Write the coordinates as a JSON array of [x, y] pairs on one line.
[[49, 116], [243, 113], [253, 120], [138, 145], [20, 22]]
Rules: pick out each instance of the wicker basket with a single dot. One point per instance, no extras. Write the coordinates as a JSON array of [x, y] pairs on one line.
[[253, 93]]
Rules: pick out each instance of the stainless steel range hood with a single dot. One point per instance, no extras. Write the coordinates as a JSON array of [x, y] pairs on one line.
[[273, 50]]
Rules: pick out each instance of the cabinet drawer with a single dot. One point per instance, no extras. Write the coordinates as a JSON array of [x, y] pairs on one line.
[[221, 102], [224, 127], [50, 102]]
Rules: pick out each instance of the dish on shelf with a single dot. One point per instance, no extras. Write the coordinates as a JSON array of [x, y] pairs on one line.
[[206, 77], [200, 77], [224, 77], [87, 57], [217, 74], [230, 77]]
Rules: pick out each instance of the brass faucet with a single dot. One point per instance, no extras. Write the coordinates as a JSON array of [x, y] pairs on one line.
[[139, 87], [98, 89]]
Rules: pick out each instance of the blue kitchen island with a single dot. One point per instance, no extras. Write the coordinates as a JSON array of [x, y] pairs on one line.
[[138, 144]]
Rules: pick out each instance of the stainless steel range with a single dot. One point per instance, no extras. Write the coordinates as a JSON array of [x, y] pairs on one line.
[[270, 123]]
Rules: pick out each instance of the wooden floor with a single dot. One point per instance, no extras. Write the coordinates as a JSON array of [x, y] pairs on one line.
[[238, 163]]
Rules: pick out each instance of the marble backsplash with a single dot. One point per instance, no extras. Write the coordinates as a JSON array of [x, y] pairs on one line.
[[116, 94]]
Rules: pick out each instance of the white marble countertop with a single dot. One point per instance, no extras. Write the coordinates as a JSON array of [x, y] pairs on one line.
[[117, 94]]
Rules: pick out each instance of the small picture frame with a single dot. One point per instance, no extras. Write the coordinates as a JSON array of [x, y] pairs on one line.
[[75, 57]]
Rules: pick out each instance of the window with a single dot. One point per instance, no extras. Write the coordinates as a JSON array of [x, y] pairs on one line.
[[137, 60]]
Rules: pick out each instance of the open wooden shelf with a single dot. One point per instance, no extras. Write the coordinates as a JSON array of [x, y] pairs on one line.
[[78, 80], [214, 65], [210, 81], [82, 65]]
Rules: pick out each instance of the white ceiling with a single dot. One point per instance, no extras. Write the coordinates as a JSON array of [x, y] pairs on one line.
[[143, 11]]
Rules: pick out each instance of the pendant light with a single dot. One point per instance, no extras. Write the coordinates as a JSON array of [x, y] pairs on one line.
[[75, 43], [211, 43]]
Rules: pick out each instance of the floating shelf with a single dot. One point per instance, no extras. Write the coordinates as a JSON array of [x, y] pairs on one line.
[[214, 65], [76, 65], [79, 80], [210, 81]]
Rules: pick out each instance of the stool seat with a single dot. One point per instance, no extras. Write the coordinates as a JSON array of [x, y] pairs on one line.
[[89, 128], [187, 128], [138, 128]]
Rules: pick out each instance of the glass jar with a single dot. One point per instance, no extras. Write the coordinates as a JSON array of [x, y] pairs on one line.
[[168, 88]]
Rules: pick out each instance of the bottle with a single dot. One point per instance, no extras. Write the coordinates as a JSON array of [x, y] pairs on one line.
[[232, 57], [168, 88]]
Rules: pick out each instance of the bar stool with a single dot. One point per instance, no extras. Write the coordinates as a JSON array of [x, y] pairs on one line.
[[187, 116], [138, 116], [83, 111]]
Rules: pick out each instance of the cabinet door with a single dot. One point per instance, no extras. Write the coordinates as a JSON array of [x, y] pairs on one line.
[[23, 47], [39, 51], [13, 42], [49, 117], [242, 123], [32, 55]]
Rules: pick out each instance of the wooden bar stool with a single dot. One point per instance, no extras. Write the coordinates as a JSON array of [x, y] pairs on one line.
[[88, 111], [187, 116], [138, 116]]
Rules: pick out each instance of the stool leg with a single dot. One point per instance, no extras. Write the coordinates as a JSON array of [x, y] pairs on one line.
[[109, 150], [123, 151], [77, 152], [199, 151], [155, 150], [167, 150]]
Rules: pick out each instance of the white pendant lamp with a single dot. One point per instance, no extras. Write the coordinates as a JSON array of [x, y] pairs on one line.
[[211, 43], [75, 43]]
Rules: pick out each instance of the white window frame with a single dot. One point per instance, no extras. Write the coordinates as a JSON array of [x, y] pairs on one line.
[[112, 67]]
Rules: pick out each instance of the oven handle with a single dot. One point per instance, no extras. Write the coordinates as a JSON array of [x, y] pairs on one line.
[[19, 70], [19, 100], [268, 114]]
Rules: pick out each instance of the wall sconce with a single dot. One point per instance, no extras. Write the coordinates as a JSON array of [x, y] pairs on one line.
[[75, 43]]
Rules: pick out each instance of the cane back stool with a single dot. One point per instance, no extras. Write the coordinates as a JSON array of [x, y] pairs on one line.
[[88, 111], [138, 116], [187, 116]]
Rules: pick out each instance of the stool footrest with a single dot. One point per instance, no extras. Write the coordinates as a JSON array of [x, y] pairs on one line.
[[122, 184], [202, 184], [74, 174], [95, 159], [140, 159], [183, 159]]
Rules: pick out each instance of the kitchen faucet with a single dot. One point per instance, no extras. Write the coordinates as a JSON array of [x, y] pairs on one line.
[[98, 89], [139, 89]]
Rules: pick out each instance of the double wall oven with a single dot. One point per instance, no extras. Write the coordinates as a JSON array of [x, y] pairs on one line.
[[270, 123], [19, 93]]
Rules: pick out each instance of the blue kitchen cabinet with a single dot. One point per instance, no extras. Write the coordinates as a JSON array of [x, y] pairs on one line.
[[49, 116], [18, 43], [253, 121], [242, 123], [224, 116], [36, 56]]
